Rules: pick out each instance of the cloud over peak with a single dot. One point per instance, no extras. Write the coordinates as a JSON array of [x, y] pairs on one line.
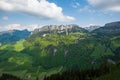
[[39, 8], [109, 5]]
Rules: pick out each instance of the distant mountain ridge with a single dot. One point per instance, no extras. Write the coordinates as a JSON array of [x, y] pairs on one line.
[[5, 32], [13, 35], [109, 29]]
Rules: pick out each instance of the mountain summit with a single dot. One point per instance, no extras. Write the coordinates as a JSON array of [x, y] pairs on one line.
[[59, 29]]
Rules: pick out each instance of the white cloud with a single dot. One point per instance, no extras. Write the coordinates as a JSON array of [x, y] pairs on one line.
[[32, 27], [87, 9], [5, 18], [39, 8], [19, 27], [109, 5]]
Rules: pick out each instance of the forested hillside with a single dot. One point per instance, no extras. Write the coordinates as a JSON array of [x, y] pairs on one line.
[[44, 53]]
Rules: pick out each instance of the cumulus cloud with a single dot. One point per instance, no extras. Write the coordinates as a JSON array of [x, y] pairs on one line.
[[39, 8], [19, 27], [109, 5], [5, 18]]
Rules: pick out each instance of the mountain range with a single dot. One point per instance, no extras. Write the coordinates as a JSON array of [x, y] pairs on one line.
[[16, 35], [54, 49]]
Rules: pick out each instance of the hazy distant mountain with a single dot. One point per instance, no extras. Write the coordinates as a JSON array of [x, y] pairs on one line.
[[109, 29], [13, 35], [91, 28]]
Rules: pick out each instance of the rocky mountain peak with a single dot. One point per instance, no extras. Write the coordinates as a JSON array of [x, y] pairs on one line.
[[58, 28]]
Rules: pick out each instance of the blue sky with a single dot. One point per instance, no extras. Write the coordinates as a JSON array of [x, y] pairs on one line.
[[45, 12]]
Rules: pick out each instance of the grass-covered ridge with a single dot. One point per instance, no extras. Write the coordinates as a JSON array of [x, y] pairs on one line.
[[17, 46]]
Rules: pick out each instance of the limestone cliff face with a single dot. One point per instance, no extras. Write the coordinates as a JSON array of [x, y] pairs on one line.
[[59, 28]]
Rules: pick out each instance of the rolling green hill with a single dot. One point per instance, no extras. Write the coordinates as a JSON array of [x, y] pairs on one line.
[[18, 46]]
